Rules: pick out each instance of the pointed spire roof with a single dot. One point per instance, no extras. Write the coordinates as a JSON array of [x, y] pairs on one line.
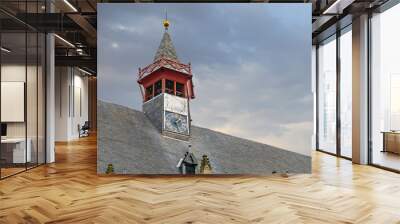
[[166, 49]]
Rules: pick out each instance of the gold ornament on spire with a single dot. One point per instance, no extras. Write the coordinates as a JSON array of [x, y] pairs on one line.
[[166, 22]]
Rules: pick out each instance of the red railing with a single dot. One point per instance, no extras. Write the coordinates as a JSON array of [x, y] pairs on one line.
[[167, 63]]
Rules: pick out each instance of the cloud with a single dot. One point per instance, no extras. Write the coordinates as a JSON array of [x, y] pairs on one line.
[[115, 45], [251, 64]]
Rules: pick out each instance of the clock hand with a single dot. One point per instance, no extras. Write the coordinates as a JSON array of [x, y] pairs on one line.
[[175, 123], [178, 122]]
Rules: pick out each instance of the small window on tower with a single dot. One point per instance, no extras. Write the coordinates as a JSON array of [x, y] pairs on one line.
[[149, 92], [180, 89], [157, 87], [169, 86]]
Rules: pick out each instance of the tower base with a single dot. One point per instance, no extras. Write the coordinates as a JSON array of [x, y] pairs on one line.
[[176, 135]]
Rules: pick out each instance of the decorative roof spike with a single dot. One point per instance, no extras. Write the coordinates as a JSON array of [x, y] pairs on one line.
[[166, 49], [166, 22]]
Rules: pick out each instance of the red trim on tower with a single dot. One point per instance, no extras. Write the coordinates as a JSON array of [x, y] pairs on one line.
[[168, 74], [166, 63]]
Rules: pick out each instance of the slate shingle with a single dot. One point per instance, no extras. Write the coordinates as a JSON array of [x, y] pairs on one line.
[[128, 140]]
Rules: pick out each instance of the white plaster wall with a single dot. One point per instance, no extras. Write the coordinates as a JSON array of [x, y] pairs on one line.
[[62, 81], [70, 82], [80, 84], [12, 73], [33, 127]]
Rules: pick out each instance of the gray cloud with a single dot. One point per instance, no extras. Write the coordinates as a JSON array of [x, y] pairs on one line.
[[251, 64]]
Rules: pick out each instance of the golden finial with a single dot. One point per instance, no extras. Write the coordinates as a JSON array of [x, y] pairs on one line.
[[166, 22]]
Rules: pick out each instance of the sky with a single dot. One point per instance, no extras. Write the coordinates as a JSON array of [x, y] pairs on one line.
[[251, 64]]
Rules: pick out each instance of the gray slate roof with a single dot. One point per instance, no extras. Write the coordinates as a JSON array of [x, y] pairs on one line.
[[166, 49], [128, 140]]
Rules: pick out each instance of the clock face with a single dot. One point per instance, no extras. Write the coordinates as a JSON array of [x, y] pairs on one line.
[[176, 123], [175, 104]]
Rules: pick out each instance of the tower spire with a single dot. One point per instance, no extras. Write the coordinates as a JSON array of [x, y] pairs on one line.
[[166, 48]]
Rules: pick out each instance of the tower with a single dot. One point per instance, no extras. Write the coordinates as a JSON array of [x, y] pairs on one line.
[[167, 88]]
